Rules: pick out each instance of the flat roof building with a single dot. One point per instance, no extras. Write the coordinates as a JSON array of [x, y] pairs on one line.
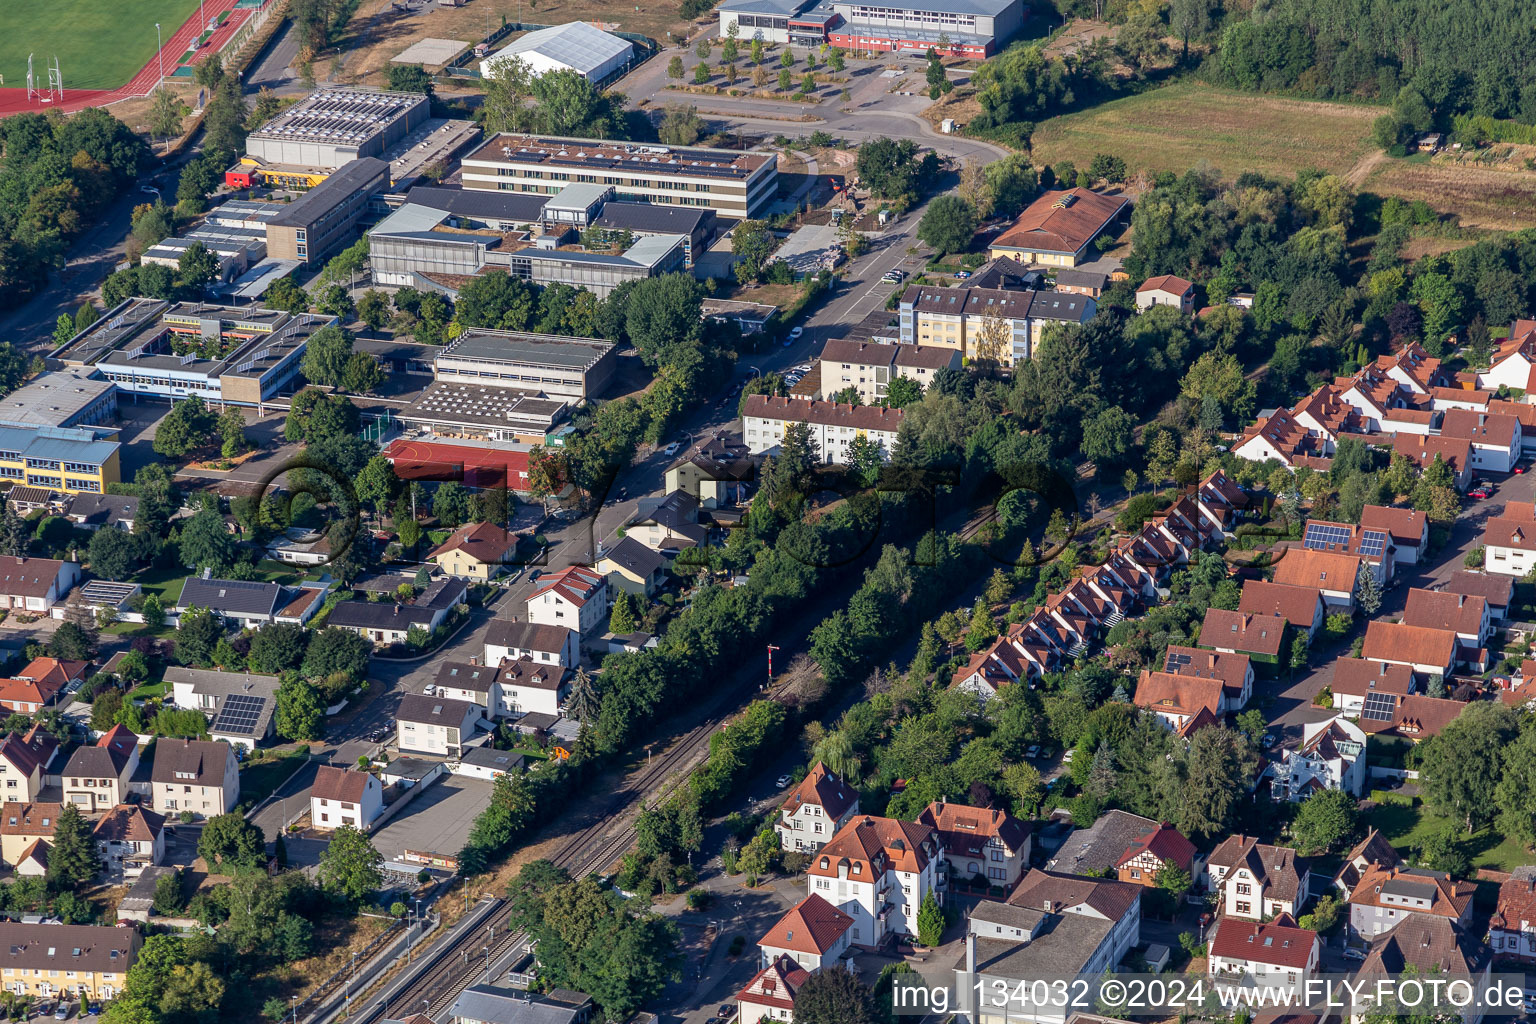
[[318, 222], [547, 364], [972, 28], [221, 353], [331, 128], [575, 46], [68, 459], [733, 183], [63, 398]]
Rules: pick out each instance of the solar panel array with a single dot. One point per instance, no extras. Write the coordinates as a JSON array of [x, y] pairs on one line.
[[1321, 535], [1372, 542], [239, 714], [1176, 661], [1379, 707]]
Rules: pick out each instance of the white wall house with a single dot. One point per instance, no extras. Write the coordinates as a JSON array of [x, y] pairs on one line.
[[877, 871], [345, 796], [1256, 881], [576, 598], [833, 426], [1509, 540], [815, 810], [1331, 756], [1243, 953]]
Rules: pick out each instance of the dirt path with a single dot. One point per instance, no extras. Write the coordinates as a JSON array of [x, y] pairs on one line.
[[1363, 168]]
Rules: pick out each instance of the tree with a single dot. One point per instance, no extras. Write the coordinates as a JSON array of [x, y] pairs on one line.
[[1109, 438], [930, 922], [153, 611], [701, 74], [1221, 377], [362, 374], [72, 857], [675, 68], [410, 78], [621, 617], [373, 309], [196, 268], [164, 114], [206, 544], [114, 554], [1216, 769], [73, 642], [350, 865], [752, 243], [1367, 590], [1516, 791], [325, 356], [1460, 767], [187, 427], [1325, 819], [786, 80], [168, 900], [681, 126], [948, 225], [335, 650], [232, 431], [229, 841], [300, 711], [1325, 915], [902, 392], [834, 995], [1441, 851]]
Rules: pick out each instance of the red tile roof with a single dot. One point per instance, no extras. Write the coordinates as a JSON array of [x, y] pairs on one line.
[[1061, 222], [1165, 283], [1173, 694], [1296, 605], [1487, 429], [1417, 645], [128, 823], [877, 845], [1325, 570], [964, 830], [344, 785], [1255, 634], [1417, 717], [1441, 609], [1447, 897], [830, 414], [821, 786], [1164, 842], [1231, 669], [812, 926], [1404, 525], [1455, 452], [484, 542], [1516, 528], [1278, 942], [775, 985], [577, 584], [1359, 676]]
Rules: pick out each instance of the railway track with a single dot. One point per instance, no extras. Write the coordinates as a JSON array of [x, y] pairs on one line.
[[441, 977]]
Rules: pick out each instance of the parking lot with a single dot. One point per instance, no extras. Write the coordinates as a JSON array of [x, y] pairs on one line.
[[437, 821]]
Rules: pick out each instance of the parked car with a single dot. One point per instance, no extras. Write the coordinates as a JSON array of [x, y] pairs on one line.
[[535, 575], [727, 1011], [62, 1012], [671, 449], [1480, 493], [784, 781], [962, 274], [1270, 740], [794, 335]]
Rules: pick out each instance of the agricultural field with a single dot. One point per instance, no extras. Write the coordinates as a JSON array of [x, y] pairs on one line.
[[1189, 123], [99, 45], [1493, 189]]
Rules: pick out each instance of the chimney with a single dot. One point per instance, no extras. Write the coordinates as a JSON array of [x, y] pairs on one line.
[[970, 952]]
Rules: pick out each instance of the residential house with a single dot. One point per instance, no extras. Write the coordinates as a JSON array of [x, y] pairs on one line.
[[1386, 894], [1429, 652], [435, 725], [1509, 540], [1304, 435], [547, 645], [1081, 282], [1465, 616], [1496, 439], [1301, 607], [1052, 926], [476, 551], [1526, 414], [129, 839], [39, 684], [465, 680], [1513, 361], [770, 995], [1454, 452], [1151, 851], [833, 426], [345, 796], [979, 842], [1166, 290], [1184, 704], [633, 567], [1426, 945], [1414, 717], [1261, 637], [717, 473], [668, 524], [1099, 847], [1495, 588], [200, 776], [878, 871], [1332, 572], [815, 810], [869, 367], [1356, 680], [1222, 500], [1271, 953], [488, 763], [1373, 548], [1407, 528], [1371, 851], [1331, 756], [1233, 669], [241, 706], [576, 597], [1512, 929], [22, 825], [245, 603], [35, 585], [1256, 880], [79, 961], [1416, 370], [93, 511], [97, 777], [1058, 227], [813, 933], [24, 759], [524, 686], [386, 622]]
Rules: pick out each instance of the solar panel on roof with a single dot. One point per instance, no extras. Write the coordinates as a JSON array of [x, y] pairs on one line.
[[239, 714], [1321, 535], [1379, 707], [1372, 542]]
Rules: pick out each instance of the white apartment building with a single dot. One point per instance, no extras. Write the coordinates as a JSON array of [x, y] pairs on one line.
[[833, 426], [576, 598], [877, 871], [814, 812]]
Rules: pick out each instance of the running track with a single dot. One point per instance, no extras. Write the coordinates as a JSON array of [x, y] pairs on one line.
[[14, 100]]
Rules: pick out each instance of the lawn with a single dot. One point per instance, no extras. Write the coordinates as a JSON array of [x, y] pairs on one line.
[[258, 779], [1407, 827], [1188, 123], [100, 45]]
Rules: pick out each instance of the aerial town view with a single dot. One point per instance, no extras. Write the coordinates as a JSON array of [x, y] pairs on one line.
[[767, 511]]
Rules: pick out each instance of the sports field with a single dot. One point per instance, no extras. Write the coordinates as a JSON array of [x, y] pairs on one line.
[[100, 44]]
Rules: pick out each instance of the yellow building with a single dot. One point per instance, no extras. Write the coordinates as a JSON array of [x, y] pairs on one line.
[[67, 459], [1001, 325], [80, 961], [478, 551]]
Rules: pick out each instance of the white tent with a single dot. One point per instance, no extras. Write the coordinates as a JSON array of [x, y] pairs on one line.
[[576, 46]]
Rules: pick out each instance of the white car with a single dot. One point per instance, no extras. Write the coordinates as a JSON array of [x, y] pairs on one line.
[[784, 781], [794, 335], [671, 449]]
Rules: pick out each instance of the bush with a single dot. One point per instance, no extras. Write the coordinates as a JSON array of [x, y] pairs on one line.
[[698, 899], [738, 943]]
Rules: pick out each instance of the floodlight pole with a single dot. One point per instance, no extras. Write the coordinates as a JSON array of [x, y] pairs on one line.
[[160, 55]]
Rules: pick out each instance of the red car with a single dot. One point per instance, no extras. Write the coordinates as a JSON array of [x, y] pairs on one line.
[[1520, 468], [1480, 493]]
